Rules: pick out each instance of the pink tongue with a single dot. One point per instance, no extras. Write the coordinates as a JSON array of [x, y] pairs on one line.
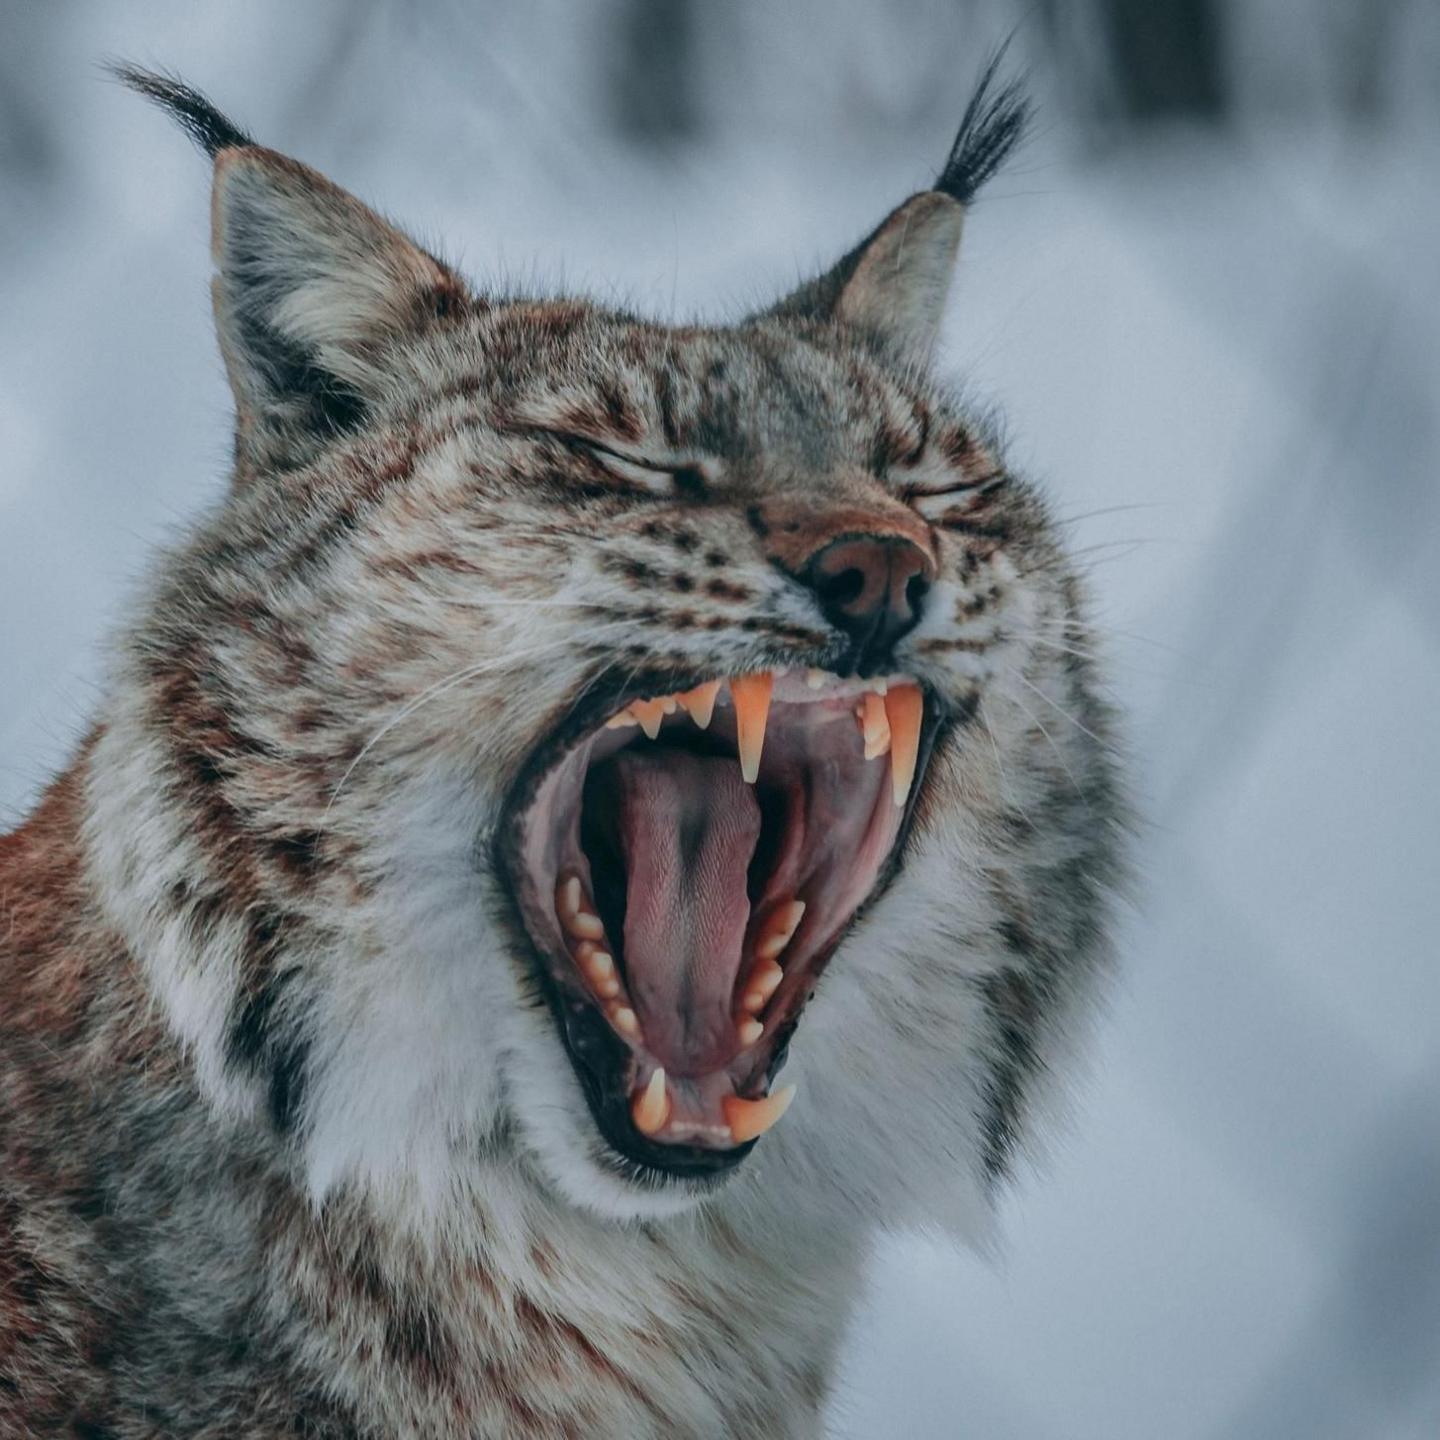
[[688, 827]]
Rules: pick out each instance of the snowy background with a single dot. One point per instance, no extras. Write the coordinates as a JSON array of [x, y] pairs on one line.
[[1208, 298]]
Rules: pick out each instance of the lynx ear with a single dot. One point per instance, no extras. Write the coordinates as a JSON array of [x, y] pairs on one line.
[[893, 284], [312, 288]]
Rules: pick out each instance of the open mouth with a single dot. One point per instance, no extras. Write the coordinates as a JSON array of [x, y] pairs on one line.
[[684, 869]]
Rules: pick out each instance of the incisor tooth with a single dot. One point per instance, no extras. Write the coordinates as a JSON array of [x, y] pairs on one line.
[[905, 709], [749, 1119], [749, 1031], [751, 694], [700, 702], [816, 679], [649, 714], [650, 1109], [874, 725], [764, 982], [779, 929]]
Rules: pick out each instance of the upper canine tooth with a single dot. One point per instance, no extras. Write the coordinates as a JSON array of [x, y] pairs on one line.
[[751, 694], [649, 714], [650, 1109], [874, 725], [700, 702], [905, 710], [779, 929], [749, 1119]]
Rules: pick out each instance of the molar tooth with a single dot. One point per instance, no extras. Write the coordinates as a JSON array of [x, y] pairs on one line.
[[905, 709], [571, 905], [649, 714], [749, 1119], [621, 720], [779, 929], [598, 967], [700, 702], [751, 695], [625, 1020], [874, 725], [568, 894], [584, 925], [650, 1109], [764, 982], [749, 1031]]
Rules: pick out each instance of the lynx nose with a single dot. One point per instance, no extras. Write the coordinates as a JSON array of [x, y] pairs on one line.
[[873, 588]]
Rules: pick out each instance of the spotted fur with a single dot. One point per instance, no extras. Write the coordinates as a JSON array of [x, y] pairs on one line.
[[288, 1142]]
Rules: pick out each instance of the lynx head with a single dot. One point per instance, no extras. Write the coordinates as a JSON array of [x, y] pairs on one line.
[[572, 730]]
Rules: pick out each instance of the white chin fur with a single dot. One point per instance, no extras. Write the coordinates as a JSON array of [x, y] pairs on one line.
[[557, 1129]]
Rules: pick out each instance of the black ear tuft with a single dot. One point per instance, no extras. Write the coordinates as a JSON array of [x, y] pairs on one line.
[[994, 123], [200, 120]]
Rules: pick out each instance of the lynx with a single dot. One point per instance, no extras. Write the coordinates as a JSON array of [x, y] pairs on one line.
[[601, 822]]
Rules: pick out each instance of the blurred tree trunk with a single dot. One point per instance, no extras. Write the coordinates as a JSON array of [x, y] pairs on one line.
[[655, 72], [1168, 58]]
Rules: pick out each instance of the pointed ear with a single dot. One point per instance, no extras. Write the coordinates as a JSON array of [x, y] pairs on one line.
[[312, 289], [898, 286], [893, 285]]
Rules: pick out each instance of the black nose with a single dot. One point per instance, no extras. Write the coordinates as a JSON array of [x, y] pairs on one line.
[[873, 588]]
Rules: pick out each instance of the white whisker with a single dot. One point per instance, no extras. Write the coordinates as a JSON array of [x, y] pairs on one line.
[[430, 692], [1058, 709]]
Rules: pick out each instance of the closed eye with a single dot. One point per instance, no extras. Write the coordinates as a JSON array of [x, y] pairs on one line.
[[936, 493], [666, 477]]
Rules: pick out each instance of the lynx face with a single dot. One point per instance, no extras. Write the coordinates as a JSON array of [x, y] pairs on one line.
[[570, 729]]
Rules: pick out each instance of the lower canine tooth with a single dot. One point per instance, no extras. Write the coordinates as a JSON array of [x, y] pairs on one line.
[[751, 696], [749, 1119], [651, 1107]]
